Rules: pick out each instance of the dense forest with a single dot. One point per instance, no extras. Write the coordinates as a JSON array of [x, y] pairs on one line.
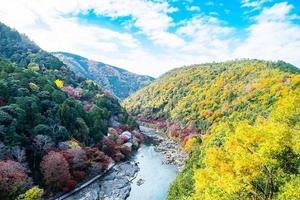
[[53, 124], [238, 120], [117, 81]]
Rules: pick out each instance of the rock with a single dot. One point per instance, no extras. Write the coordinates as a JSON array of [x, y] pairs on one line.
[[127, 134], [171, 150], [140, 182], [116, 184], [90, 192]]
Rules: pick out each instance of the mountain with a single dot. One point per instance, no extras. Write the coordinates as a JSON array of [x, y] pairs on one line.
[[18, 49], [53, 123], [117, 81], [238, 121]]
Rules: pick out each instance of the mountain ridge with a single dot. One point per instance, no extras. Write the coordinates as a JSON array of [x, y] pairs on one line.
[[118, 81], [228, 116]]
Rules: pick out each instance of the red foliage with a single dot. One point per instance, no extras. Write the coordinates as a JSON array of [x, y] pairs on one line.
[[73, 92], [125, 127], [187, 133], [174, 130], [122, 139], [118, 157], [96, 156], [76, 158], [70, 184], [119, 130], [138, 135], [79, 175], [107, 93], [13, 178], [55, 170], [110, 147], [87, 107]]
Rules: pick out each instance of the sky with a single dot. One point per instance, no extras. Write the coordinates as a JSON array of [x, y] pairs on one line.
[[153, 36]]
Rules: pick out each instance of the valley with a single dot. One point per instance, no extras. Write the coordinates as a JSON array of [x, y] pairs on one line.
[[146, 175], [73, 128]]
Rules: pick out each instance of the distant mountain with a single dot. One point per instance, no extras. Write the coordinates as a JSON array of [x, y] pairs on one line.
[[117, 81]]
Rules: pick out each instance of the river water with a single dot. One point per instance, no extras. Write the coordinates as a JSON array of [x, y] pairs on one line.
[[157, 176]]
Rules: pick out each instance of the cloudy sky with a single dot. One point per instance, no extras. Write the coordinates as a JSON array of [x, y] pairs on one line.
[[153, 36]]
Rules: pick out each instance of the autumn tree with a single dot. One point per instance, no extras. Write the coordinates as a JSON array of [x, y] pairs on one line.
[[13, 179], [55, 170]]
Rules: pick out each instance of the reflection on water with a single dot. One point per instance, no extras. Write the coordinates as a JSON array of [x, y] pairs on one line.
[[157, 176]]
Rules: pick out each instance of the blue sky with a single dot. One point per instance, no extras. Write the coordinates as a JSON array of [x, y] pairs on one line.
[[154, 36]]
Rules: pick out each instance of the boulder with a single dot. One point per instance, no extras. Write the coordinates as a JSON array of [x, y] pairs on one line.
[[127, 134], [140, 182]]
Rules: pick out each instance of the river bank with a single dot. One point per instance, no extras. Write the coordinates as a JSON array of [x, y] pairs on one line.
[[172, 151], [149, 172]]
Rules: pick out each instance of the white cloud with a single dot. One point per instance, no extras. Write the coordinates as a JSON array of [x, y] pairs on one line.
[[208, 36], [274, 36], [193, 8], [53, 25], [256, 4]]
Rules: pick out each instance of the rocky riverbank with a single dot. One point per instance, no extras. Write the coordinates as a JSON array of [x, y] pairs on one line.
[[117, 183], [172, 151]]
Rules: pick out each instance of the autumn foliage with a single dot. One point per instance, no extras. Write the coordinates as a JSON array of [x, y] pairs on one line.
[[55, 169], [13, 179]]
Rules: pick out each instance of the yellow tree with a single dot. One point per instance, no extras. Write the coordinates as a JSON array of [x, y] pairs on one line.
[[256, 160], [59, 83]]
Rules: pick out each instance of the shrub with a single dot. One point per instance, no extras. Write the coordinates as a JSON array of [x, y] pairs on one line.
[[34, 193]]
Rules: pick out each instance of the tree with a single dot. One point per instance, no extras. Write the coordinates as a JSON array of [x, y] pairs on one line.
[[42, 129], [13, 179], [59, 83], [76, 158], [41, 143], [55, 170], [254, 161], [58, 96], [34, 193]]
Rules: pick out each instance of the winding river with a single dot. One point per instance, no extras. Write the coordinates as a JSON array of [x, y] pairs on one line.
[[151, 181]]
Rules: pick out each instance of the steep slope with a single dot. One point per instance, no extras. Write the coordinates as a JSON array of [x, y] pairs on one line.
[[117, 81], [239, 121], [18, 49], [53, 124]]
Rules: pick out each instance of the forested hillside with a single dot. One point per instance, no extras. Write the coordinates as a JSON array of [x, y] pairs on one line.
[[238, 120], [117, 81], [53, 124]]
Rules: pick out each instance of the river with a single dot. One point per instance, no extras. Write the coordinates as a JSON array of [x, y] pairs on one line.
[[151, 182], [157, 176]]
